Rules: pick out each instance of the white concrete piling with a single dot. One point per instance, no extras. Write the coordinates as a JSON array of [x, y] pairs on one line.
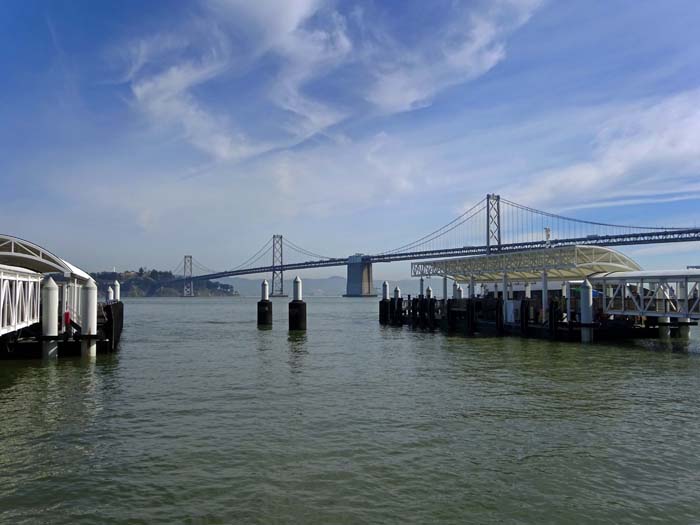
[[429, 292], [455, 286], [297, 289], [264, 306], [117, 291], [528, 290], [88, 346], [385, 291], [110, 294], [460, 292], [49, 318], [297, 308], [586, 311], [397, 292]]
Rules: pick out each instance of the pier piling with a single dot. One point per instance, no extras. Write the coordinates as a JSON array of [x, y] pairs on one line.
[[49, 319], [88, 344], [384, 304], [297, 308], [264, 306], [586, 312]]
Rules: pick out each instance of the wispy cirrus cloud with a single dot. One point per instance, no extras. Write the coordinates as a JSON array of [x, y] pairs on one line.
[[640, 152], [163, 72], [305, 41], [470, 44]]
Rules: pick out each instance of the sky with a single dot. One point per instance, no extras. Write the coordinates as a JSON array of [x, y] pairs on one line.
[[136, 132]]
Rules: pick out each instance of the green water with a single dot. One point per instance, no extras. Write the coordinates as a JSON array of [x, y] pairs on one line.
[[201, 418]]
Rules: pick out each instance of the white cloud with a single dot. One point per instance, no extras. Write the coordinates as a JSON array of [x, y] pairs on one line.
[[308, 54], [644, 151], [162, 76], [470, 45]]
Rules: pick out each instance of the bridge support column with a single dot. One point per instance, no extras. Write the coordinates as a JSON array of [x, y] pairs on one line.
[[360, 280], [444, 289], [88, 345], [49, 318], [567, 292], [472, 286]]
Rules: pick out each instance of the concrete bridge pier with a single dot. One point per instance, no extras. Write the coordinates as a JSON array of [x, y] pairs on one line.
[[360, 283]]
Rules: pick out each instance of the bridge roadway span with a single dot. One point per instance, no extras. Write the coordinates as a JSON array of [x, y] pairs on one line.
[[628, 239]]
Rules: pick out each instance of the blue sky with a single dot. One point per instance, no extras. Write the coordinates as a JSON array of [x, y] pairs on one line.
[[135, 132]]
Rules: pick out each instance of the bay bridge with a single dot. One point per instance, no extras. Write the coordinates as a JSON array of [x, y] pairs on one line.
[[493, 225]]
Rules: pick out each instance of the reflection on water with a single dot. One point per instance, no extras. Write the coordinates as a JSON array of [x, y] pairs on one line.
[[204, 418]]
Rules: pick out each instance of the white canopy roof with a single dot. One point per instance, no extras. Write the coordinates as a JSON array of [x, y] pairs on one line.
[[565, 263], [24, 254]]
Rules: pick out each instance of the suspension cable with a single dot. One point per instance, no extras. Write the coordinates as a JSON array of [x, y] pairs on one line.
[[583, 221]]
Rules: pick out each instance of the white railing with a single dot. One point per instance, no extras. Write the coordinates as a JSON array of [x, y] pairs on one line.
[[649, 295], [20, 297], [71, 301]]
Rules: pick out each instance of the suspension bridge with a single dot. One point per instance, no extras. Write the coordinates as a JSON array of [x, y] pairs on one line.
[[494, 225]]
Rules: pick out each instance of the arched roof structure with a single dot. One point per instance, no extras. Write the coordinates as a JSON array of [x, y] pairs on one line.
[[561, 263], [24, 254]]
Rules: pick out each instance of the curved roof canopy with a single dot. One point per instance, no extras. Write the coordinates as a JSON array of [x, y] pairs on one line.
[[562, 263], [24, 254]]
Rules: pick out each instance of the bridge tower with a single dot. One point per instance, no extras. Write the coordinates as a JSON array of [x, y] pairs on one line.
[[359, 282], [188, 288], [277, 272], [493, 222]]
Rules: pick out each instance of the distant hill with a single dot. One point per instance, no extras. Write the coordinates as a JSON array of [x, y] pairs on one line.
[[328, 287], [154, 283]]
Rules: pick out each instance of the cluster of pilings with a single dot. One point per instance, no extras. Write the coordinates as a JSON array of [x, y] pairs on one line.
[[297, 307], [565, 319], [423, 311], [473, 315]]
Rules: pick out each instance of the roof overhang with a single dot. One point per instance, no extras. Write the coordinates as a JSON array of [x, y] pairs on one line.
[[561, 263], [649, 275], [24, 254]]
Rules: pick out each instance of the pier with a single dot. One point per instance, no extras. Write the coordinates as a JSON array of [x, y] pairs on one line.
[[49, 307], [572, 293]]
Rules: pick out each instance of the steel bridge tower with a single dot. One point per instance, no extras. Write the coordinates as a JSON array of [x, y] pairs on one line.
[[277, 263], [493, 222], [188, 289]]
